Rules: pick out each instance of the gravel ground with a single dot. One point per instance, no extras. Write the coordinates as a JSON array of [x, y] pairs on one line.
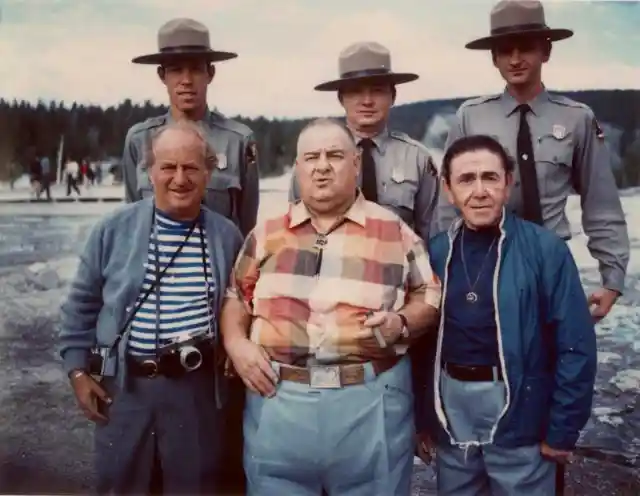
[[45, 444]]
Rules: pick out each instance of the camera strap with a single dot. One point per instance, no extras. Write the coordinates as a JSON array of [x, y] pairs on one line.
[[158, 276], [154, 284]]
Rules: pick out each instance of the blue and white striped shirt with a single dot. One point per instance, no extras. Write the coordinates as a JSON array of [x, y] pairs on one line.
[[183, 308]]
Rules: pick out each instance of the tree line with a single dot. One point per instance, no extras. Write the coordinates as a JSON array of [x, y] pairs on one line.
[[96, 133]]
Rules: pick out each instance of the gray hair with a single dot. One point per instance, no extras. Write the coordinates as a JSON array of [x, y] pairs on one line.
[[328, 122], [209, 153]]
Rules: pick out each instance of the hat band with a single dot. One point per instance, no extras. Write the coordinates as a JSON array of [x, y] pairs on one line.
[[518, 28], [184, 48], [365, 73]]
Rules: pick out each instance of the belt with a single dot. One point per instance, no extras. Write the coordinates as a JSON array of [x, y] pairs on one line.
[[169, 363], [335, 375], [473, 373]]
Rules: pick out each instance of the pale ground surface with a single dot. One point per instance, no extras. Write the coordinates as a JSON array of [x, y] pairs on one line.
[[45, 444]]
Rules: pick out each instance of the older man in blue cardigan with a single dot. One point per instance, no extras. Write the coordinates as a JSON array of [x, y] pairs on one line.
[[141, 315]]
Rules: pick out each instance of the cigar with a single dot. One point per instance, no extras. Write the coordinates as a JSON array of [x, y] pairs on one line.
[[376, 332]]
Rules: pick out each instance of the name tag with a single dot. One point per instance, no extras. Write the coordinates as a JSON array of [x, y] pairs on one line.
[[325, 377]]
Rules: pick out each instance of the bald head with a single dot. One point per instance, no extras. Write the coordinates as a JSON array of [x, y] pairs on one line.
[[182, 135], [325, 123]]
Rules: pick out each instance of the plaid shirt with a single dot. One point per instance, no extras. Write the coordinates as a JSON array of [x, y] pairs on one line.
[[308, 293]]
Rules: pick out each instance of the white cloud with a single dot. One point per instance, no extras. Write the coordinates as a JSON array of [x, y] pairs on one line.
[[85, 56]]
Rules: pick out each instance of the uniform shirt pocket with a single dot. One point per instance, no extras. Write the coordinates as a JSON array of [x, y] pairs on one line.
[[554, 162], [399, 194]]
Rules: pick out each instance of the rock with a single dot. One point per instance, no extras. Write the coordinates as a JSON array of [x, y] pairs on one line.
[[607, 357], [627, 380], [43, 276]]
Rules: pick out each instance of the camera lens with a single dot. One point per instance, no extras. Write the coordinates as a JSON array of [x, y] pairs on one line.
[[191, 358]]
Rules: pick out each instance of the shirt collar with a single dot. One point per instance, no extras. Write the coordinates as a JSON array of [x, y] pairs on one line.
[[380, 140], [510, 104], [208, 116], [357, 212]]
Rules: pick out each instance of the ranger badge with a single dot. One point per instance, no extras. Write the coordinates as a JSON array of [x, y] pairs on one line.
[[559, 131], [221, 161], [397, 175]]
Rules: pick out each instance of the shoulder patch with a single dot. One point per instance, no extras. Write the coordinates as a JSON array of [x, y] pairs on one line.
[[219, 120], [431, 167], [251, 153]]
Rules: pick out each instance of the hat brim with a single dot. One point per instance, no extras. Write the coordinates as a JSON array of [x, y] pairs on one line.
[[160, 57], [488, 42], [394, 77]]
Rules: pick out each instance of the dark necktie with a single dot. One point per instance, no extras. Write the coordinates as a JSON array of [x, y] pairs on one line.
[[532, 211], [369, 181]]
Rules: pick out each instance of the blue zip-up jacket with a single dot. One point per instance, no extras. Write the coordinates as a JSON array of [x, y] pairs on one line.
[[546, 338]]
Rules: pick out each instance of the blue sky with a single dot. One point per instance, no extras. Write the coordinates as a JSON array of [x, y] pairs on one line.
[[81, 50]]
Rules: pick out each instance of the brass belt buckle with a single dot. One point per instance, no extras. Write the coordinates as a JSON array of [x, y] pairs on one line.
[[325, 377], [150, 367]]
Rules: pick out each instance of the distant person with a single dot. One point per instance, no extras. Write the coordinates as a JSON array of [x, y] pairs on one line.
[[71, 172], [82, 168], [45, 167], [97, 172], [35, 177], [558, 144], [91, 177], [14, 174], [516, 360], [324, 302], [185, 66], [147, 294]]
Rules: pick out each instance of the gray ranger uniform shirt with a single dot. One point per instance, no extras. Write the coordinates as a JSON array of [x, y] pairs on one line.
[[570, 156], [407, 179], [233, 190]]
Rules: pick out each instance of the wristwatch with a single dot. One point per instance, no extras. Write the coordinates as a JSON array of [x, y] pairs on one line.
[[405, 325]]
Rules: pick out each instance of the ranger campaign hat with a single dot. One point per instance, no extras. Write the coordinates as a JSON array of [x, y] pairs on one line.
[[518, 18], [365, 60], [180, 38]]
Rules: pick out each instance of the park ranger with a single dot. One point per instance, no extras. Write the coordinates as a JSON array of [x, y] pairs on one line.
[[557, 142], [185, 66], [184, 61], [397, 171]]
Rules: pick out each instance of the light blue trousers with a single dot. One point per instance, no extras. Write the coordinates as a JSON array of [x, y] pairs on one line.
[[353, 441], [472, 409]]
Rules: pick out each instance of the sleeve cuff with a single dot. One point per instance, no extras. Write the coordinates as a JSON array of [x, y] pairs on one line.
[[75, 358], [614, 280], [560, 441]]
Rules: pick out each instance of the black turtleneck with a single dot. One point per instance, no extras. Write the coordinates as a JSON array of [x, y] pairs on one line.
[[470, 335]]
